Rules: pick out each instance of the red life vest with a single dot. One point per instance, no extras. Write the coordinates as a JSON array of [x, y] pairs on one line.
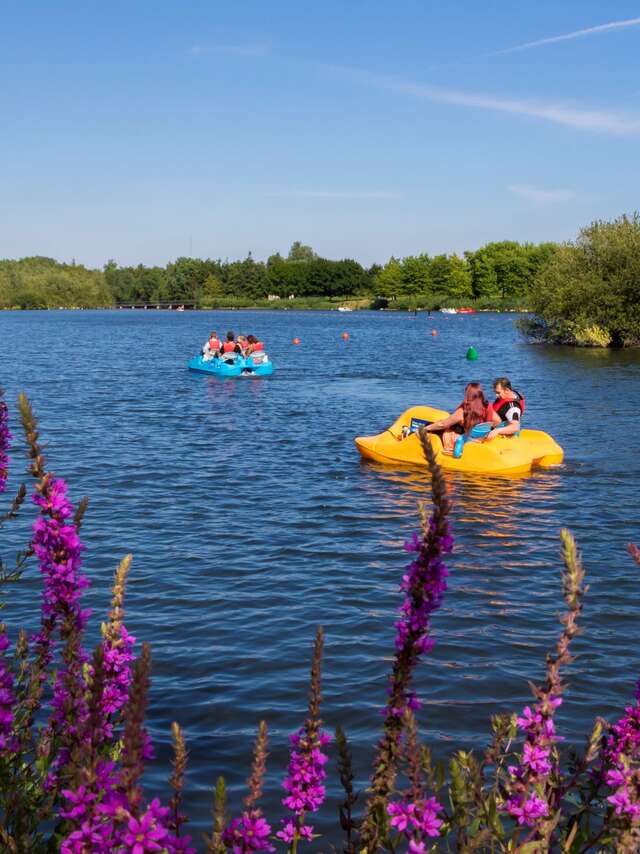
[[214, 344], [258, 347], [510, 410], [229, 347]]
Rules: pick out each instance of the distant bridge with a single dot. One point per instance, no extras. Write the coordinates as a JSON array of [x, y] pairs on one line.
[[158, 306]]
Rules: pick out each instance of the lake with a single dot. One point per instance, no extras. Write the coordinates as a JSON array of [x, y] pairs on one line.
[[252, 520]]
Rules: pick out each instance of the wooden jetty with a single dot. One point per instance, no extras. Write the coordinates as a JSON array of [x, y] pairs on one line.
[[159, 306]]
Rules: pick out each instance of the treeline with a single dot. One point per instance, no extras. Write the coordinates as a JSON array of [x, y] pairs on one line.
[[496, 273], [44, 283]]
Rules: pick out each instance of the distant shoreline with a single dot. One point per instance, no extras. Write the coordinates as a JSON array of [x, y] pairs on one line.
[[262, 307]]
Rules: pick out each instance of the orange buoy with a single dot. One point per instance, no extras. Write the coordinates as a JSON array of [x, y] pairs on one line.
[[345, 336], [296, 340], [434, 332]]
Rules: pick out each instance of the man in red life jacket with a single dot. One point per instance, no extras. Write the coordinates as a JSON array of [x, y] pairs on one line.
[[229, 349], [508, 406]]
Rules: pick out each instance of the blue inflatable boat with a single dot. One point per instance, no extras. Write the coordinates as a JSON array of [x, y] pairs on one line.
[[239, 367]]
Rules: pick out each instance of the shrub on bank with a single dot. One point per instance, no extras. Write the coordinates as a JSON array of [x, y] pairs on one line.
[[588, 294], [73, 743]]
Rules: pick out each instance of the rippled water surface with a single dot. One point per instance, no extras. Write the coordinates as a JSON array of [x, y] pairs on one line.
[[252, 519]]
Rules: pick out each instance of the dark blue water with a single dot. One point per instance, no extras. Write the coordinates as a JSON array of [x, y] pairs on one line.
[[252, 520]]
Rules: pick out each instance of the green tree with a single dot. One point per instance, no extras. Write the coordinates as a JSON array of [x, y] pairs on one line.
[[484, 279], [459, 285], [589, 291], [300, 252], [416, 275], [211, 288], [389, 282]]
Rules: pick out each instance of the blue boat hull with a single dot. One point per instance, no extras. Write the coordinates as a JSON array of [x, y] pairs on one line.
[[238, 368]]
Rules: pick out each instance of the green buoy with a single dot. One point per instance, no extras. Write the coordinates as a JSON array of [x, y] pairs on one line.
[[472, 354]]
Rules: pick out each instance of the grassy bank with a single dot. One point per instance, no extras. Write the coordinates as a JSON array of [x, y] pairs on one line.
[[298, 304], [400, 304]]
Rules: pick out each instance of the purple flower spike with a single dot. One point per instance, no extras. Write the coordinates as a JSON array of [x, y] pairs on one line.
[[7, 743], [5, 443], [622, 762], [305, 774], [532, 792], [306, 792], [58, 548], [423, 585]]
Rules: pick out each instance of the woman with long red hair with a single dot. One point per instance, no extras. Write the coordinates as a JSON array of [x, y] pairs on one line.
[[474, 409]]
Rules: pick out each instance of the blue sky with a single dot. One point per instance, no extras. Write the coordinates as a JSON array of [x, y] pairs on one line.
[[143, 131]]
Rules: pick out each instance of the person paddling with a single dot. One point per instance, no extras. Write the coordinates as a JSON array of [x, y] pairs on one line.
[[256, 350], [508, 409], [212, 346], [229, 349], [474, 409]]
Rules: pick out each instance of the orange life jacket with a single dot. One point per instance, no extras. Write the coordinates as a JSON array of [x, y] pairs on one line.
[[214, 344], [258, 347], [229, 347]]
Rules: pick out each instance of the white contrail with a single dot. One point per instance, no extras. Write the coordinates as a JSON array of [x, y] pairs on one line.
[[577, 34], [582, 118]]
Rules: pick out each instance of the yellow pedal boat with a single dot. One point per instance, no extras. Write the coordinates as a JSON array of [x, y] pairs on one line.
[[504, 455]]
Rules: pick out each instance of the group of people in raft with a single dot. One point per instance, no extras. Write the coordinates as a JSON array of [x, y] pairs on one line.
[[504, 414], [232, 346]]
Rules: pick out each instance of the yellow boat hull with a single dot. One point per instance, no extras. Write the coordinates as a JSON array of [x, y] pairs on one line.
[[504, 455]]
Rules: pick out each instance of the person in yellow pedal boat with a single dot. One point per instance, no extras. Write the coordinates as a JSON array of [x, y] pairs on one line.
[[508, 409], [474, 409]]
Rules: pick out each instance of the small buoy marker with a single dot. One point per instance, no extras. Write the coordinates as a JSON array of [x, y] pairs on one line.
[[434, 332], [296, 340], [345, 336], [472, 354]]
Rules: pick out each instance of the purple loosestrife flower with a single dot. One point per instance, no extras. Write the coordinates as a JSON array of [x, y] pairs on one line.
[[528, 810], [144, 834], [58, 548], [249, 833], [534, 787], [622, 761], [5, 443], [117, 645], [423, 586], [118, 655], [108, 823], [306, 792], [8, 743], [621, 756], [417, 820], [304, 781]]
